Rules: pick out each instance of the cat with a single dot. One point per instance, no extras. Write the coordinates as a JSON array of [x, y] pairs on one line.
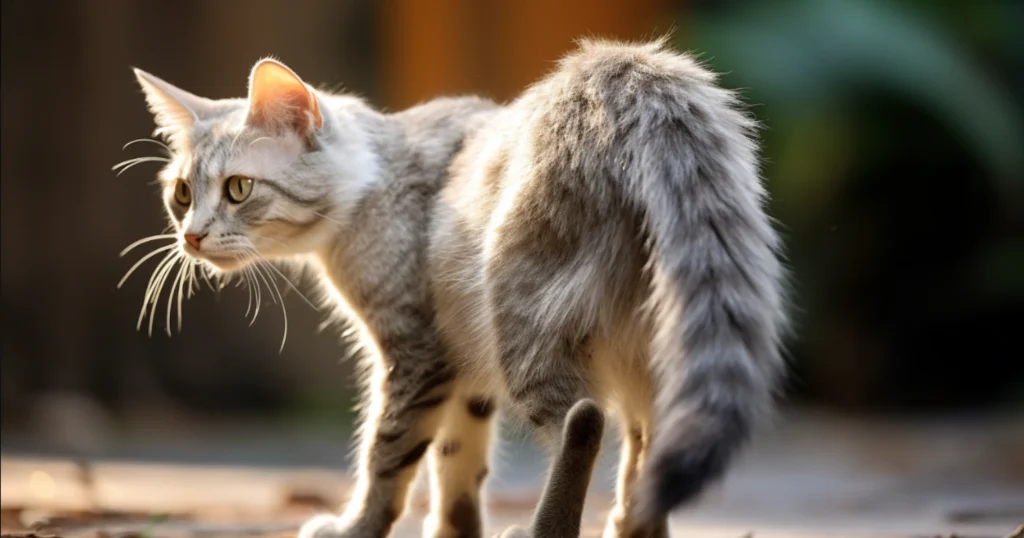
[[603, 236]]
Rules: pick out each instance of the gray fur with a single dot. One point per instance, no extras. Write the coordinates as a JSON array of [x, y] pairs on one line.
[[559, 512], [603, 236]]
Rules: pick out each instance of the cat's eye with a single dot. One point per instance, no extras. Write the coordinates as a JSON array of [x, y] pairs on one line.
[[238, 188], [182, 193]]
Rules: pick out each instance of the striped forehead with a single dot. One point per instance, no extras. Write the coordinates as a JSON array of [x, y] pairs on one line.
[[219, 153], [209, 160]]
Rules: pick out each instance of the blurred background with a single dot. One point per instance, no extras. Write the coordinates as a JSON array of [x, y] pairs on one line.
[[893, 148]]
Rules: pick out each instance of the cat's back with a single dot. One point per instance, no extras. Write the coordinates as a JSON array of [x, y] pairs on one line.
[[432, 133]]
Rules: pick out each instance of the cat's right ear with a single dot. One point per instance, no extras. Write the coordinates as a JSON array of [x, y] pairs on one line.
[[174, 109]]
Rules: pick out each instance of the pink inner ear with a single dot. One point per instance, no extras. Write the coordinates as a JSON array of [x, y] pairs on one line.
[[278, 98]]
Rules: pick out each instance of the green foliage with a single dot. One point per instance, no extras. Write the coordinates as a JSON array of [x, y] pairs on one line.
[[894, 149]]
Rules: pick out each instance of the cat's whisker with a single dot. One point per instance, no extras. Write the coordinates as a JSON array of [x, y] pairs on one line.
[[157, 271], [204, 272], [263, 276], [268, 238], [175, 285], [284, 310], [257, 291], [248, 292], [146, 240], [159, 289], [186, 265], [192, 284], [148, 141], [125, 165], [223, 280], [234, 139], [147, 297], [248, 289], [148, 289], [143, 260], [258, 266], [190, 276], [292, 216], [325, 217], [291, 284], [252, 284]]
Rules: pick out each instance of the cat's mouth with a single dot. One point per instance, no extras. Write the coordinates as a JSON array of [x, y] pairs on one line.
[[225, 261]]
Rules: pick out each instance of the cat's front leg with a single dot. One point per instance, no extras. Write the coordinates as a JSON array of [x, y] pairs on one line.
[[459, 465], [403, 413]]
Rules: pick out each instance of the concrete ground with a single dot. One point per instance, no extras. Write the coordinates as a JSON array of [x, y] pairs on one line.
[[809, 476]]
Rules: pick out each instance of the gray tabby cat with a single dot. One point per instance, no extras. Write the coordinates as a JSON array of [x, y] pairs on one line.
[[603, 236]]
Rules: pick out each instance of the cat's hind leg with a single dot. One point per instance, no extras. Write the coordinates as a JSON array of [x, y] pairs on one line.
[[635, 436]]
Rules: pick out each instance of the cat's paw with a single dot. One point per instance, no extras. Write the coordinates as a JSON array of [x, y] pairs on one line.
[[323, 526]]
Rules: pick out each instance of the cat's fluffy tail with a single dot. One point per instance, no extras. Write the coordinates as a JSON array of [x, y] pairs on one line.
[[690, 162]]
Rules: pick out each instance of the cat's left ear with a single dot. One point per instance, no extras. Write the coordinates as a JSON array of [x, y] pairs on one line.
[[174, 109], [280, 100]]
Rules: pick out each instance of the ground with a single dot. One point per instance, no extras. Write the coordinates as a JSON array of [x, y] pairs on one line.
[[807, 476]]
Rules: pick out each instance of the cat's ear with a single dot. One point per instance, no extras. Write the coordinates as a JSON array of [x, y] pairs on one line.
[[174, 109], [279, 99]]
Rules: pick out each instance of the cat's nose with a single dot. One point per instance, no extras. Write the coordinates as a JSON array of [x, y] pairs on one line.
[[194, 240]]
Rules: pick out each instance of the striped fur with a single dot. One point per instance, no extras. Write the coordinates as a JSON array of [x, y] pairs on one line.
[[603, 236]]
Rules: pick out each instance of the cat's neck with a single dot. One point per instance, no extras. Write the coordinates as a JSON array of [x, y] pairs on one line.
[[383, 216], [350, 155]]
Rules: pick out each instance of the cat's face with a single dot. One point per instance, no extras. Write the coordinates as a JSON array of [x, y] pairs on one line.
[[246, 178]]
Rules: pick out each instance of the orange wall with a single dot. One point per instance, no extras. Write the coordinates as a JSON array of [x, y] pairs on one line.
[[497, 47]]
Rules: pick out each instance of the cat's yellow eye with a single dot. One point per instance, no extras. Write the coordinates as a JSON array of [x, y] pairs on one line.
[[238, 188], [182, 193]]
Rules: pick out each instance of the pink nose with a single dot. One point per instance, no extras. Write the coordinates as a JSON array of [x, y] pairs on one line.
[[194, 239]]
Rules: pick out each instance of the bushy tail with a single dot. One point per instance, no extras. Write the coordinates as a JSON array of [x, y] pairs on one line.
[[716, 299]]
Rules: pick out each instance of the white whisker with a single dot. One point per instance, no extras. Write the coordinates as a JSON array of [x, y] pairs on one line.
[[292, 216], [147, 140], [256, 266], [284, 310], [146, 240], [291, 284], [147, 298], [192, 284], [143, 260], [205, 273], [190, 263], [125, 165], [325, 217], [261, 272], [175, 284], [252, 285], [267, 238], [248, 289], [250, 276], [159, 289]]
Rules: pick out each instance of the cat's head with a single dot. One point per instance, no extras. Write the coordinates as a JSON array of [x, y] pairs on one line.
[[255, 177]]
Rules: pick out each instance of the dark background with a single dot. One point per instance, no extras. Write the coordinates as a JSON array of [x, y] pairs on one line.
[[894, 149]]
